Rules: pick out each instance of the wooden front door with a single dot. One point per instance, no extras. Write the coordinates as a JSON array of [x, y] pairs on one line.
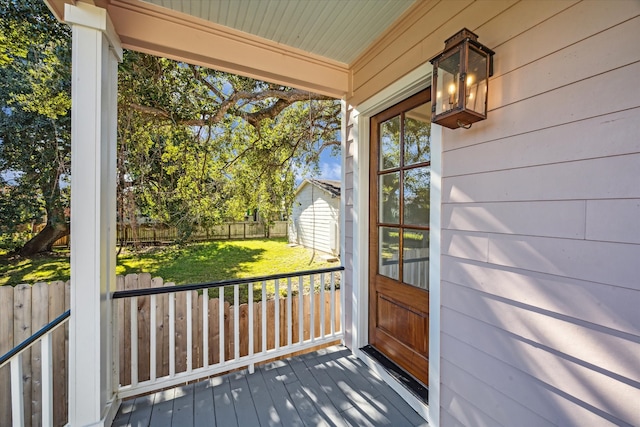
[[400, 172]]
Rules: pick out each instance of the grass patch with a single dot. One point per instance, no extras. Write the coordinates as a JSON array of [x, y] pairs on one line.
[[193, 263], [40, 268]]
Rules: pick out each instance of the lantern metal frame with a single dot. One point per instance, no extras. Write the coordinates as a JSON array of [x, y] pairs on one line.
[[460, 52]]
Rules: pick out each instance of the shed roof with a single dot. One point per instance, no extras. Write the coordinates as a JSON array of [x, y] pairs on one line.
[[329, 185]]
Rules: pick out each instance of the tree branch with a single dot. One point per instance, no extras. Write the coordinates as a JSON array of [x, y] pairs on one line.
[[284, 99]]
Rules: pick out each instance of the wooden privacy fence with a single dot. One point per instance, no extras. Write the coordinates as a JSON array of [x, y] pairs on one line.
[[25, 309], [150, 235], [298, 321], [227, 231]]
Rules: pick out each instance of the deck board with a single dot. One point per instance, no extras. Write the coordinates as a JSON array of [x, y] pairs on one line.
[[265, 406], [223, 402], [330, 387], [242, 398], [203, 407]]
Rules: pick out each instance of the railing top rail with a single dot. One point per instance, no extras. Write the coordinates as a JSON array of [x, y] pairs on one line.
[[35, 337], [198, 286]]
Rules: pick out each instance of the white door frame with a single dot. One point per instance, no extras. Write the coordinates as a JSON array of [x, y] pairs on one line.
[[415, 81]]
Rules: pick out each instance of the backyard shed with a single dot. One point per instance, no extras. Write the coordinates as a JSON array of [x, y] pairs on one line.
[[315, 216]]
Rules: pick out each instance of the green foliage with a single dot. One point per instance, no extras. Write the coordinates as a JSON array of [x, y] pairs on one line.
[[199, 146], [35, 122]]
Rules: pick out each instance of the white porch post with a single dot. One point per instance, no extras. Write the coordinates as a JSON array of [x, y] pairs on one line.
[[96, 52]]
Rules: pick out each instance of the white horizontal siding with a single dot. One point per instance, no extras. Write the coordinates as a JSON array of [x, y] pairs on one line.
[[580, 259], [611, 307], [522, 390], [541, 237], [545, 218], [479, 404], [575, 340], [625, 228], [582, 139]]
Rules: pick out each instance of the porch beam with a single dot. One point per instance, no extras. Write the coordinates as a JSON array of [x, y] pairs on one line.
[[159, 31], [96, 52]]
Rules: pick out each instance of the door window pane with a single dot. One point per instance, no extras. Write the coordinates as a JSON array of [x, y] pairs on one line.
[[390, 143], [388, 252], [417, 135], [415, 258], [390, 198], [417, 183]]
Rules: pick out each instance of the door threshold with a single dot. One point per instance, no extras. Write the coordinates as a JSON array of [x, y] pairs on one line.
[[414, 386]]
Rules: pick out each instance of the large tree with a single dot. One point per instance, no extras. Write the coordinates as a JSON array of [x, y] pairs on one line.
[[201, 146], [34, 119]]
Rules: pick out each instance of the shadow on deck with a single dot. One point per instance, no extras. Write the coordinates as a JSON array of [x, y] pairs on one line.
[[330, 387]]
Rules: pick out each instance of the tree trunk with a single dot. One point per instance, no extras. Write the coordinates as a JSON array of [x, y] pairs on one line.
[[43, 241]]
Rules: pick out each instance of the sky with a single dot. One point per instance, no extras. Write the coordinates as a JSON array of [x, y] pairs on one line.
[[330, 167]]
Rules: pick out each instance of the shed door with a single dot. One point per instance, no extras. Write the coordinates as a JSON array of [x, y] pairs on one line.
[[400, 175]]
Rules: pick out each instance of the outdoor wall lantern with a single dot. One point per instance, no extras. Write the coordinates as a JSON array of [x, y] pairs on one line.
[[460, 81]]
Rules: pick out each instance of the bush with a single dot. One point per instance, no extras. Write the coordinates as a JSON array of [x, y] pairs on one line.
[[9, 242]]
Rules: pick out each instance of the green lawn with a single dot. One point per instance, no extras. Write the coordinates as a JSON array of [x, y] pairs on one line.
[[194, 263]]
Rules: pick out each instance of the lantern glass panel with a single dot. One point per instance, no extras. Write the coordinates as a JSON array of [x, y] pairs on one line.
[[447, 84], [476, 82]]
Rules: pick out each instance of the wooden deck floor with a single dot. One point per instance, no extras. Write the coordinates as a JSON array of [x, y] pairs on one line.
[[330, 387]]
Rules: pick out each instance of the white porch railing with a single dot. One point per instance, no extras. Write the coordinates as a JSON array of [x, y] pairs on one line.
[[183, 333], [14, 358]]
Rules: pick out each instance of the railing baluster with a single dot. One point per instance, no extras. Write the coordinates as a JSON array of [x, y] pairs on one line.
[[289, 317], [250, 308], [17, 398], [46, 360], [134, 341], [172, 334], [332, 304], [300, 310], [276, 317], [264, 316], [221, 322], [153, 339], [322, 305], [312, 320], [236, 321], [205, 328], [342, 303], [189, 331]]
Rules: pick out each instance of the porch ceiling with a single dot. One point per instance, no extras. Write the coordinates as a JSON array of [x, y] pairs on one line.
[[305, 44], [339, 30]]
